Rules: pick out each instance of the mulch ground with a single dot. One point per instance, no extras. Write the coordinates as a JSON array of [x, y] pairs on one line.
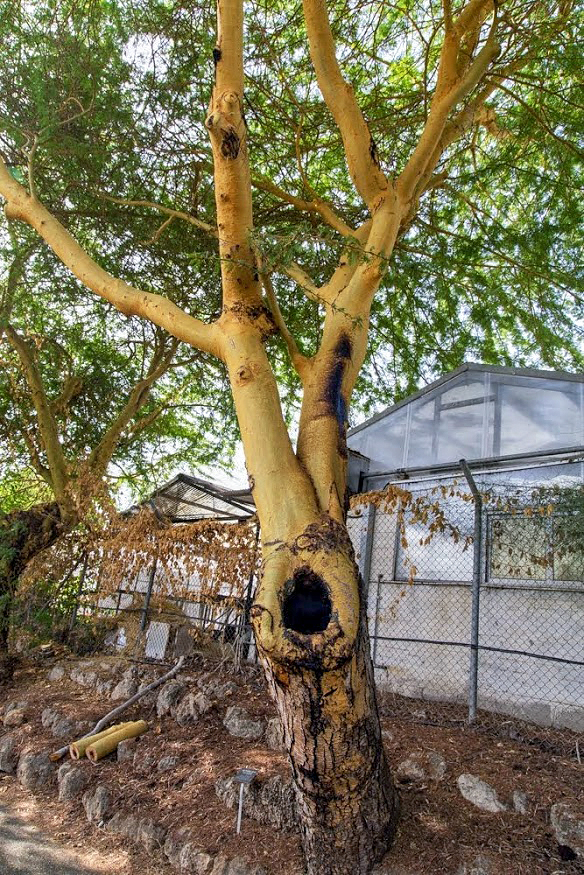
[[438, 833]]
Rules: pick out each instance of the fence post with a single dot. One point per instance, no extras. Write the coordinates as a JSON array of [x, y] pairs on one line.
[[366, 549], [476, 593], [148, 596], [246, 632], [79, 593]]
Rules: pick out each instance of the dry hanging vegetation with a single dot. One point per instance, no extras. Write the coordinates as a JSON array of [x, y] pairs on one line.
[[195, 560]]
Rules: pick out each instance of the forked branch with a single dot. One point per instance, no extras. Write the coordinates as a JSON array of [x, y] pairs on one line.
[[339, 96]]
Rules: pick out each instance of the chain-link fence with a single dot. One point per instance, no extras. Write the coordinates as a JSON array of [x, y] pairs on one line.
[[475, 594], [478, 598], [147, 621]]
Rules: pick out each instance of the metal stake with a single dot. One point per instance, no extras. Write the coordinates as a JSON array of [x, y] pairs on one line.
[[242, 777]]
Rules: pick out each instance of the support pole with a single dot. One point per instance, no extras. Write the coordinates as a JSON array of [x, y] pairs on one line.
[[246, 621], [148, 596], [476, 593], [79, 593]]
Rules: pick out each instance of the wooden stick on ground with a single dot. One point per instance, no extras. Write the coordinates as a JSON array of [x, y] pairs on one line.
[[58, 754]]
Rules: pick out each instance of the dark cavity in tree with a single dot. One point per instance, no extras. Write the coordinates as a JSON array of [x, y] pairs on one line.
[[307, 606], [230, 144]]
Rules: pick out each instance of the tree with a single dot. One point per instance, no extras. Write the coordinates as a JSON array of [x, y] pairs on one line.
[[439, 113], [82, 413]]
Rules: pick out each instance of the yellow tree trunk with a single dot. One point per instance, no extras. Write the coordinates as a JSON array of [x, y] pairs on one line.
[[321, 678]]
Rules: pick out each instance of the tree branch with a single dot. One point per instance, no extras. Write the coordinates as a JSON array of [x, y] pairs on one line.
[[300, 276], [298, 360], [167, 211], [47, 423], [129, 300], [316, 206], [339, 96], [454, 82], [101, 454]]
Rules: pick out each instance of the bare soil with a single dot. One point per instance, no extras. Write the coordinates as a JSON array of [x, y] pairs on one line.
[[439, 831]]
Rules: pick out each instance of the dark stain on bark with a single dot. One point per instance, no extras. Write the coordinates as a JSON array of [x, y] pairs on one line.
[[333, 390], [257, 314], [230, 144], [374, 154]]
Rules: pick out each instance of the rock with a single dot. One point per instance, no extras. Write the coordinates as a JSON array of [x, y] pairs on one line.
[[480, 793], [144, 760], [124, 824], [63, 727], [168, 697], [567, 819], [274, 737], [394, 869], [187, 711], [48, 716], [220, 866], [222, 691], [35, 770], [105, 686], [83, 677], [14, 706], [56, 673], [520, 802], [202, 703], [238, 866], [175, 841], [481, 865], [126, 750], [239, 723], [8, 755], [15, 718], [421, 767], [124, 689], [72, 780], [194, 860], [97, 804], [167, 763], [150, 834], [271, 801]]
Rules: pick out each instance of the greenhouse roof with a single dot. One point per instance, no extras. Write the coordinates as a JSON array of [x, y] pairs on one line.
[[187, 499], [476, 412]]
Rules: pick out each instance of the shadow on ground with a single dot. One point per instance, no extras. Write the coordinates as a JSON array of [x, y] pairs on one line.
[[25, 850]]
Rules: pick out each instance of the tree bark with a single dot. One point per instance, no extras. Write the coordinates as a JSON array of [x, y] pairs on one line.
[[23, 534], [320, 675]]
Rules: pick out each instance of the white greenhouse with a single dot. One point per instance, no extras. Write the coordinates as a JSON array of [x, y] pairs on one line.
[[478, 594]]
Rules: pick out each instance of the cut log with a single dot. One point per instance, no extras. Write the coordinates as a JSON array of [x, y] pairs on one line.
[[110, 741], [78, 748], [56, 755]]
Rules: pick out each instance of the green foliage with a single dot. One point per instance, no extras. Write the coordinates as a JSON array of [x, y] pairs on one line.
[[114, 96]]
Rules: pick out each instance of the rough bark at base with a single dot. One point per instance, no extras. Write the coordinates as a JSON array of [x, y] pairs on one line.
[[347, 804], [23, 534]]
